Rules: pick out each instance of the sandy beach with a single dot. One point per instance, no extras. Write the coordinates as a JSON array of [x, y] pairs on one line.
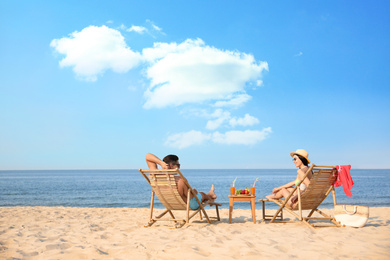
[[118, 233]]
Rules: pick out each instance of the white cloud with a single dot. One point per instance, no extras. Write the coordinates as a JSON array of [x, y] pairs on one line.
[[221, 117], [189, 112], [247, 137], [137, 29], [192, 72], [247, 120], [156, 27], [150, 28], [298, 54], [259, 83], [94, 50], [235, 101], [191, 138], [189, 72], [183, 140]]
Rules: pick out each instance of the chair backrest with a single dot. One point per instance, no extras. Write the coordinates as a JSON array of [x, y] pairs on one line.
[[164, 185], [320, 186]]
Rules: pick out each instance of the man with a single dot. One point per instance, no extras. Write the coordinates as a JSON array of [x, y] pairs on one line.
[[172, 162]]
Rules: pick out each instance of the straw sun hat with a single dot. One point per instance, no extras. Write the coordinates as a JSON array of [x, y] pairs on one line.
[[302, 153]]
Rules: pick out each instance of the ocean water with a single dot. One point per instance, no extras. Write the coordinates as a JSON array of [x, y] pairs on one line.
[[128, 188]]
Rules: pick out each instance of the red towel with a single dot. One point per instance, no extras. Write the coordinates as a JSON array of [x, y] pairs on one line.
[[344, 178]]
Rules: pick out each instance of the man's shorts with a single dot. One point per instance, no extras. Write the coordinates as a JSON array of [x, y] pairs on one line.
[[194, 205]]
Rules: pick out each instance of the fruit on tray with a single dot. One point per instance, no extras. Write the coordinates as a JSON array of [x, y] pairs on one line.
[[243, 192]]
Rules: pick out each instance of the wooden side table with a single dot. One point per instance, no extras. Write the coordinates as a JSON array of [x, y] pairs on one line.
[[233, 198]]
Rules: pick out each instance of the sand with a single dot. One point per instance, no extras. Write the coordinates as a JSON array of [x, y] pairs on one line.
[[118, 233]]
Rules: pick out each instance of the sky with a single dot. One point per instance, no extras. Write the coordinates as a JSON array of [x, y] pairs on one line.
[[222, 84]]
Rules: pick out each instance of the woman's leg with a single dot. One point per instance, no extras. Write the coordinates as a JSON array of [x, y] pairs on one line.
[[286, 194], [279, 194], [275, 196]]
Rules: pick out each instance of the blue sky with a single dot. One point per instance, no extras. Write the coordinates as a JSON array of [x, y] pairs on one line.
[[223, 84]]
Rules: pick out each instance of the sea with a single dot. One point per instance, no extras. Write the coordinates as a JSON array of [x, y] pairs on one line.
[[129, 189]]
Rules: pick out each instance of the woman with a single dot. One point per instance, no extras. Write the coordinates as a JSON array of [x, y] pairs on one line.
[[301, 161]]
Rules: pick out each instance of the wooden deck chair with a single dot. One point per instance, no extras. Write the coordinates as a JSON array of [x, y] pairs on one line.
[[164, 186], [321, 184]]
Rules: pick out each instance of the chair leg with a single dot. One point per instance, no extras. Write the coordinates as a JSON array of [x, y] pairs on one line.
[[171, 213], [324, 217], [216, 208], [188, 206], [165, 212], [151, 221], [307, 223], [299, 203], [205, 214], [331, 219], [151, 205], [311, 213], [263, 209], [276, 214]]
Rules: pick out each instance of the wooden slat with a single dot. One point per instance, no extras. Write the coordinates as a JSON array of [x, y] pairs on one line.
[[320, 182], [164, 185]]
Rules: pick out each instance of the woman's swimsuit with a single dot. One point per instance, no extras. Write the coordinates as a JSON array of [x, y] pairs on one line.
[[302, 186]]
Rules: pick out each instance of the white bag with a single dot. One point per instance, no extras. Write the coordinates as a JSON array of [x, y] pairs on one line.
[[351, 215]]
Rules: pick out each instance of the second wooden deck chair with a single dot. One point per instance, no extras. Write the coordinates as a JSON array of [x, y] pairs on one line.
[[164, 186], [321, 184]]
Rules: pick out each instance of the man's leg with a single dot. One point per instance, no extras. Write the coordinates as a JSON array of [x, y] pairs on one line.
[[211, 196]]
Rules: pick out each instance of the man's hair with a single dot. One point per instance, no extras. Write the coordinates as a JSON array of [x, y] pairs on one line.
[[169, 159], [303, 160]]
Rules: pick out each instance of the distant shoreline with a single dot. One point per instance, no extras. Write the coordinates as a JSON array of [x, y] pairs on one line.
[[128, 188]]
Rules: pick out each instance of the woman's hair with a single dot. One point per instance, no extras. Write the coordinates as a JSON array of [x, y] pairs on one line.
[[303, 160], [170, 159]]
